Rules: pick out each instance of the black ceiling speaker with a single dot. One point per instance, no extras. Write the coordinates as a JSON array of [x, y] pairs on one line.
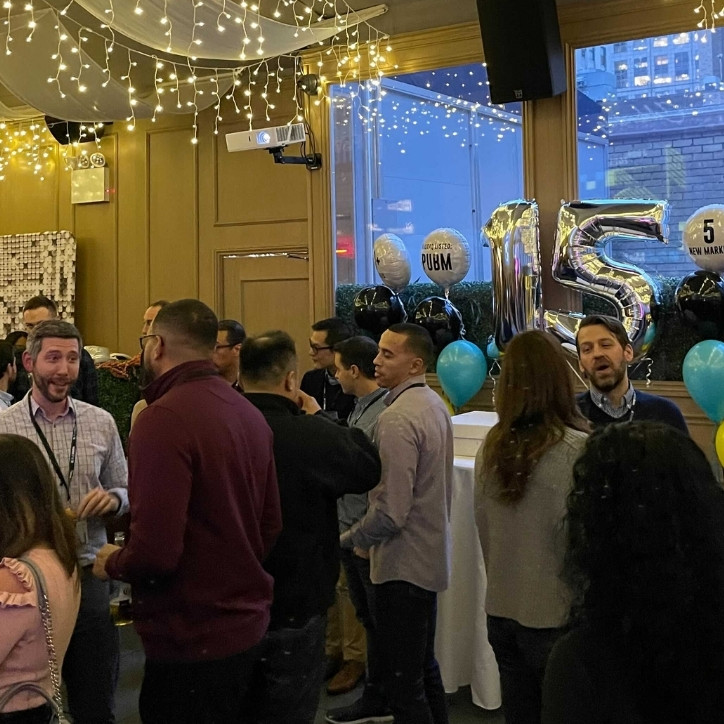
[[65, 132], [522, 44]]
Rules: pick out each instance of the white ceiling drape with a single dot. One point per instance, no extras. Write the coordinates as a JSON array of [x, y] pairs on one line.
[[29, 72], [192, 28]]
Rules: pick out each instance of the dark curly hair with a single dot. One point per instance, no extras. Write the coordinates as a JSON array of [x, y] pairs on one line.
[[645, 560]]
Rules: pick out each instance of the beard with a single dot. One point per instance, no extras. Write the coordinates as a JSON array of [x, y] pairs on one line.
[[43, 386], [146, 375], [609, 379]]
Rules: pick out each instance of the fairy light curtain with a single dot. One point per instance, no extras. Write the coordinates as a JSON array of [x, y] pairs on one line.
[[69, 80], [222, 30], [30, 264]]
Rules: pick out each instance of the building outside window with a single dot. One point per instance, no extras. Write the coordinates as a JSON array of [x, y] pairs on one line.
[[622, 74], [681, 66], [661, 69], [668, 145], [641, 71]]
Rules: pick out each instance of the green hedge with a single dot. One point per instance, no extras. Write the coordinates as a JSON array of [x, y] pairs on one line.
[[475, 302], [118, 397]]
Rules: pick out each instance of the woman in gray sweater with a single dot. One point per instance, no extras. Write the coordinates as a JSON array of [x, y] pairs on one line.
[[523, 472]]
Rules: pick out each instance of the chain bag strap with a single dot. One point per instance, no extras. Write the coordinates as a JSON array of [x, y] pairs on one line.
[[56, 702]]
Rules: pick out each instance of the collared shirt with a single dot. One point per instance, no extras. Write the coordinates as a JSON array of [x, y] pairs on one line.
[[6, 399], [352, 507], [407, 525], [99, 457], [603, 403]]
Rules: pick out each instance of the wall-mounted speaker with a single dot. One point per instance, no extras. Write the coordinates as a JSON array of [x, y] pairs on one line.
[[522, 44]]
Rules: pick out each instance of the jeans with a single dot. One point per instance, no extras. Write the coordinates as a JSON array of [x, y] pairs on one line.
[[197, 692], [288, 676], [406, 636], [362, 593], [522, 654], [90, 667]]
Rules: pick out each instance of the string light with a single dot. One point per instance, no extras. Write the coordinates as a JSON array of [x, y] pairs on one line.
[[259, 80], [27, 145], [708, 14]]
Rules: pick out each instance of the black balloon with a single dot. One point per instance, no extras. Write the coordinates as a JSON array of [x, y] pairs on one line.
[[376, 308], [700, 303], [441, 319]]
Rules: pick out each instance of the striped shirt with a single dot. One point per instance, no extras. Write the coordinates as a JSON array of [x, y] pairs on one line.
[[99, 457]]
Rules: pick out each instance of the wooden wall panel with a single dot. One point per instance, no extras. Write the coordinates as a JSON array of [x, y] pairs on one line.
[[28, 204], [172, 214], [131, 192], [97, 272], [251, 188]]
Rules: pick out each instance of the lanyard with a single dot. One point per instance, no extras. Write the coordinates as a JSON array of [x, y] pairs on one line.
[[352, 422], [51, 455], [417, 384]]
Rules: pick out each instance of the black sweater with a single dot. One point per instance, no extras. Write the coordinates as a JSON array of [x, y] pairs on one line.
[[317, 461]]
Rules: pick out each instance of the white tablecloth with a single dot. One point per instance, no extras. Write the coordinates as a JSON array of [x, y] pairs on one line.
[[461, 642]]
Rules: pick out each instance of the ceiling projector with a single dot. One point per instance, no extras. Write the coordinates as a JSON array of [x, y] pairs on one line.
[[275, 137]]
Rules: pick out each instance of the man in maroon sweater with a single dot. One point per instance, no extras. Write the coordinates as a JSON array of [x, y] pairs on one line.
[[204, 514]]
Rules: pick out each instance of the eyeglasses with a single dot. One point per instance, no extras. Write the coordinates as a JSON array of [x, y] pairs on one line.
[[316, 348], [146, 336], [223, 346]]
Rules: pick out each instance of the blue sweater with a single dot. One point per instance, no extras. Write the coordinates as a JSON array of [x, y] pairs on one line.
[[647, 407]]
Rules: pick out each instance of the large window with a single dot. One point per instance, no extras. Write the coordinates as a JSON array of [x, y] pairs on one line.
[[661, 137], [415, 153]]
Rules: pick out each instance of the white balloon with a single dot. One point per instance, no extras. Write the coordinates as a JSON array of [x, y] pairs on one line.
[[392, 261], [445, 257], [704, 237]]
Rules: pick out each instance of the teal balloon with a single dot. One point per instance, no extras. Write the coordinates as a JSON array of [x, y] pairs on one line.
[[703, 372], [461, 369], [492, 350]]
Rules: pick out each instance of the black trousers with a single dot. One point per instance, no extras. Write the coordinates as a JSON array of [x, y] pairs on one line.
[[90, 668], [522, 654], [406, 617], [198, 692]]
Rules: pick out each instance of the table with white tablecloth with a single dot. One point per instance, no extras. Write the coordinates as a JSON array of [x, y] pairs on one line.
[[461, 642]]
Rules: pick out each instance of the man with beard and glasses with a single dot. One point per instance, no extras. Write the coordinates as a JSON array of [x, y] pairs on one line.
[[82, 446], [604, 353], [205, 513]]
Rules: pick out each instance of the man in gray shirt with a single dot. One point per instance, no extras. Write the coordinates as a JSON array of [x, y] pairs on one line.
[[355, 372], [82, 447], [407, 525]]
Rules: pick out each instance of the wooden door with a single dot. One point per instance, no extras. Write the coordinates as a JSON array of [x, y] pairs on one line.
[[267, 291]]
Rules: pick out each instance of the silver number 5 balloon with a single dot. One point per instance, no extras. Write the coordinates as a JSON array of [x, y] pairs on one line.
[[581, 262]]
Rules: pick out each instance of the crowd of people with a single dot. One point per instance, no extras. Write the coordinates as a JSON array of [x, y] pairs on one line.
[[271, 515]]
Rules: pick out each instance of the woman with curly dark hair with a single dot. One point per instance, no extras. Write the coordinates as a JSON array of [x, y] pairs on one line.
[[523, 474], [646, 563]]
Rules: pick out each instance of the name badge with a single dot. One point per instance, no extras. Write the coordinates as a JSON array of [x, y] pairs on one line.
[[81, 531]]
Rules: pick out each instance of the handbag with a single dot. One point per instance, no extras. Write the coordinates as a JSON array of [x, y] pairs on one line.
[[55, 702]]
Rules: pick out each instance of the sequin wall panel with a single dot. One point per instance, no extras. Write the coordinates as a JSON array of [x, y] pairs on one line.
[[33, 264]]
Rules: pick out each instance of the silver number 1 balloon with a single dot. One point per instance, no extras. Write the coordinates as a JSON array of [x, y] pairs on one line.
[[513, 236]]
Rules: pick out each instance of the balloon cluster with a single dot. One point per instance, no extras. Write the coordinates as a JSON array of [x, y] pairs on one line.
[[703, 372], [700, 303], [445, 258], [700, 295]]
